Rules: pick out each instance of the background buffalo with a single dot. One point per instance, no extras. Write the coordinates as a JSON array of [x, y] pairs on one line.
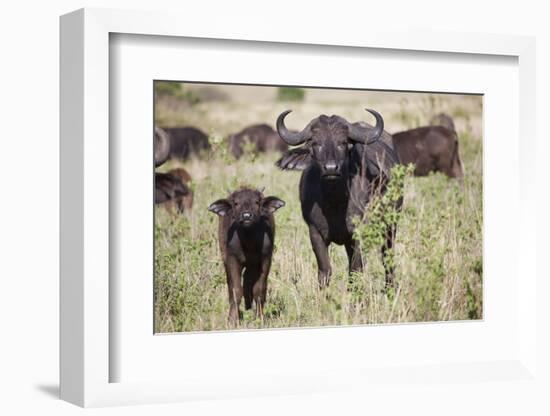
[[260, 138], [171, 188], [431, 148], [186, 142]]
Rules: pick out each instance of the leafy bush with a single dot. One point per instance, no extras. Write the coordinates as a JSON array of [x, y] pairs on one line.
[[383, 211], [167, 88], [290, 94]]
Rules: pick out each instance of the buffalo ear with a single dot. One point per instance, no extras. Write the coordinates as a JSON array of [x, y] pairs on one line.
[[220, 207], [295, 159], [272, 204]]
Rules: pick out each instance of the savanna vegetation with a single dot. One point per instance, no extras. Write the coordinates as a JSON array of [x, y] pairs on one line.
[[438, 252]]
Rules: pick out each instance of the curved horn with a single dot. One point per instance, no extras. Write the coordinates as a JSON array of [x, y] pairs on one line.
[[289, 137], [367, 135], [162, 146]]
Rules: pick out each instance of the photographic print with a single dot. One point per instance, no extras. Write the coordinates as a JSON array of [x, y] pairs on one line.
[[286, 207]]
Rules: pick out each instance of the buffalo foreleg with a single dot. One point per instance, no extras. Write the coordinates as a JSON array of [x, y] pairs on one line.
[[233, 270], [354, 257], [248, 282], [320, 248], [260, 287]]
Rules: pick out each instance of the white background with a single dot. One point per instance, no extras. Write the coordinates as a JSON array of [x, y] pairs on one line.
[[29, 212]]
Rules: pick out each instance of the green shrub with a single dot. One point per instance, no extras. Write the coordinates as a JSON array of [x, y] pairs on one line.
[[167, 88], [383, 211], [290, 94]]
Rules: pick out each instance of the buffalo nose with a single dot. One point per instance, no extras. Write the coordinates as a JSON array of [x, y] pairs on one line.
[[331, 167], [246, 215]]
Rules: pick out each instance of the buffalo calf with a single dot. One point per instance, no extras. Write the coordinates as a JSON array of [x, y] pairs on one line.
[[246, 234]]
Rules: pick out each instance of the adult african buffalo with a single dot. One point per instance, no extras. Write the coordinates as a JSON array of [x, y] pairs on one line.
[[186, 142], [261, 136], [345, 165], [431, 148]]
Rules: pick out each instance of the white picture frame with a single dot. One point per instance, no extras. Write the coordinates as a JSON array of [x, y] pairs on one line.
[[86, 356]]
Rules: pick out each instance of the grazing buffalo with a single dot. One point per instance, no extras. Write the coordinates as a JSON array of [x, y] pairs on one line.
[[444, 120], [185, 202], [246, 234], [431, 148], [172, 189], [344, 165], [186, 142], [261, 136]]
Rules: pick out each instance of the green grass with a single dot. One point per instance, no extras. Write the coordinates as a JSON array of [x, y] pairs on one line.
[[438, 254], [438, 258]]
